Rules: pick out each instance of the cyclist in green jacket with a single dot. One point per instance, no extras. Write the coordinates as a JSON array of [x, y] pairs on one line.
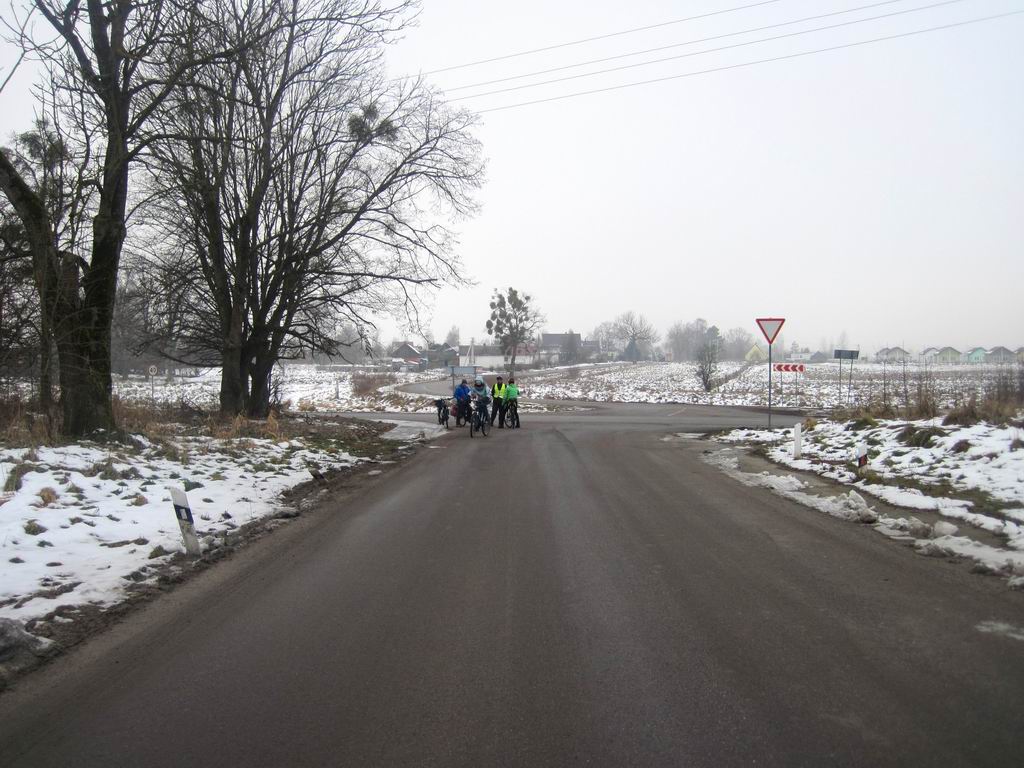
[[512, 404]]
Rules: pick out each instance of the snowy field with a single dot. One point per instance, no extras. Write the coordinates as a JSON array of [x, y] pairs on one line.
[[303, 387], [88, 521], [973, 475], [739, 384]]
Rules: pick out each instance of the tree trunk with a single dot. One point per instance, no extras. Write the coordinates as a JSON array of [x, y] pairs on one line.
[[259, 397], [46, 366], [232, 392], [233, 380]]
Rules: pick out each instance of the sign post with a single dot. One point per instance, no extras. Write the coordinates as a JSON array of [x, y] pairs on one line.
[[840, 355], [152, 382], [770, 327], [461, 370]]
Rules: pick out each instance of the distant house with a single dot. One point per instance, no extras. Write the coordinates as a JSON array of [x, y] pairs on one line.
[[948, 355], [406, 351], [892, 355], [1020, 354], [1000, 355], [553, 346], [442, 355], [487, 356], [929, 354], [819, 357], [594, 351], [756, 355], [976, 355]]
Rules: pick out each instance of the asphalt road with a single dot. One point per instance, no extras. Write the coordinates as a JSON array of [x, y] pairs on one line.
[[577, 592]]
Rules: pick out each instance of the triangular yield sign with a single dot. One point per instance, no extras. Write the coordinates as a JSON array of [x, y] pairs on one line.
[[770, 327]]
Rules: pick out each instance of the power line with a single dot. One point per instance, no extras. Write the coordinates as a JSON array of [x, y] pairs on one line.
[[601, 37], [752, 63], [709, 50], [674, 45]]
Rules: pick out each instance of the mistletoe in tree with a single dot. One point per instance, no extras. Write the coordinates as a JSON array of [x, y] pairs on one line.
[[514, 321]]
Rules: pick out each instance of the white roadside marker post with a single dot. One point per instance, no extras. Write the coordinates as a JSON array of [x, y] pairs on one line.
[[797, 440], [183, 512], [862, 456]]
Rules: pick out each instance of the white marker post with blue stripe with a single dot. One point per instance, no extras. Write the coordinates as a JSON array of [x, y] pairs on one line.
[[184, 514]]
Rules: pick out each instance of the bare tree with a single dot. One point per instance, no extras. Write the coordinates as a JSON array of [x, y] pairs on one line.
[[19, 311], [108, 63], [707, 363], [570, 352], [685, 339], [638, 333], [513, 322], [452, 338], [607, 336], [737, 343], [299, 186]]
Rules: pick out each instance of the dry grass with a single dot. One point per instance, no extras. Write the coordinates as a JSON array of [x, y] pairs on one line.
[[47, 496], [149, 419], [13, 482], [925, 404], [366, 384], [1002, 398], [21, 426], [913, 437], [32, 528]]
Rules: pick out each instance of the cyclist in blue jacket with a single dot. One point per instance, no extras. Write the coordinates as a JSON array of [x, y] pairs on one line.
[[461, 394], [481, 394]]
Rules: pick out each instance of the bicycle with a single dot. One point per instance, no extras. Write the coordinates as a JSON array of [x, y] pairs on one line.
[[512, 414], [462, 413], [479, 420], [442, 412]]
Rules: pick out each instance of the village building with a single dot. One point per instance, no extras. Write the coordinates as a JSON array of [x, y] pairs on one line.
[[976, 355], [442, 356], [892, 355], [554, 347], [1000, 355]]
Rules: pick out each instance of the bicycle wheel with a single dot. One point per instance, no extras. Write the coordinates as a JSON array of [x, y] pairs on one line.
[[474, 420], [484, 426], [446, 417]]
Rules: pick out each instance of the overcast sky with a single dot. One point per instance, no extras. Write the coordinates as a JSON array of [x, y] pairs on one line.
[[876, 189]]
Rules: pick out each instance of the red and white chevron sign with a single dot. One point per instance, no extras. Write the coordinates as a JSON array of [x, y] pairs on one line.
[[790, 367]]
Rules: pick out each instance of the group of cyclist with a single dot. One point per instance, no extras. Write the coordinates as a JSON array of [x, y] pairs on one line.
[[504, 396]]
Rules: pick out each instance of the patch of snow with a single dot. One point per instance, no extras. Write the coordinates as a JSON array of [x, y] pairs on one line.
[[974, 458], [87, 517], [1001, 628], [936, 541]]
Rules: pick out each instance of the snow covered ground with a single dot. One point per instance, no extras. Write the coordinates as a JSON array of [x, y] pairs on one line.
[[973, 475], [740, 384], [82, 523], [309, 388]]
